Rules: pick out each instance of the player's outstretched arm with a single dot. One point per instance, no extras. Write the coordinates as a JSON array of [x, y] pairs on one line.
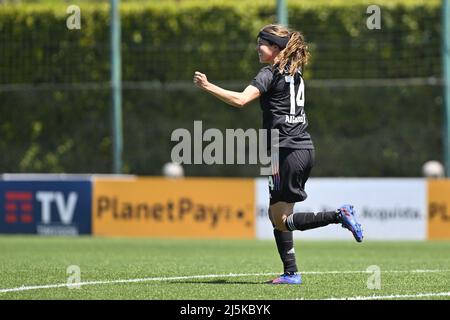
[[236, 99]]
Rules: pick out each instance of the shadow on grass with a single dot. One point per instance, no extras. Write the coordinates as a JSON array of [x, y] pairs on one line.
[[219, 281]]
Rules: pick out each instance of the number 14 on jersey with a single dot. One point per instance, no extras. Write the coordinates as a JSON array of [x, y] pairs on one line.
[[297, 100]]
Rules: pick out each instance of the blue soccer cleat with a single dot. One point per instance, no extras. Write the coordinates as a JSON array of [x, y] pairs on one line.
[[286, 278], [349, 222]]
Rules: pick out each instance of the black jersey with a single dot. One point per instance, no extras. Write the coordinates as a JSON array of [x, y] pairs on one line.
[[282, 102]]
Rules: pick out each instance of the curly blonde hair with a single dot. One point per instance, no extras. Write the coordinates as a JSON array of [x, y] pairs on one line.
[[296, 53]]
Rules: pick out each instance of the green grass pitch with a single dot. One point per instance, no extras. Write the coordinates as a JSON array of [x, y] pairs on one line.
[[167, 269]]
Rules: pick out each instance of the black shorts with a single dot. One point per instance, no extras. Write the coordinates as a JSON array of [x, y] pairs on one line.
[[289, 175]]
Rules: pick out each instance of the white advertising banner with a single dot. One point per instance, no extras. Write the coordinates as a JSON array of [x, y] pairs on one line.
[[387, 208]]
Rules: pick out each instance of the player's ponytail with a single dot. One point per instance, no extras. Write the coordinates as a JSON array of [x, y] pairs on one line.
[[295, 55]]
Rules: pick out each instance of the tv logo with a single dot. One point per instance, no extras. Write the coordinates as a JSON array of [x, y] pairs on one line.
[[65, 209], [46, 207], [18, 206]]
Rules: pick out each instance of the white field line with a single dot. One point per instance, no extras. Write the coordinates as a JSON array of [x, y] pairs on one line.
[[209, 276]]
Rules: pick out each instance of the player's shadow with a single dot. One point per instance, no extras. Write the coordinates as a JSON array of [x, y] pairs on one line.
[[219, 281]]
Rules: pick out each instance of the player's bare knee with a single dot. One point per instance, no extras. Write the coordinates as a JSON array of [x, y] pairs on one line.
[[280, 223], [279, 213]]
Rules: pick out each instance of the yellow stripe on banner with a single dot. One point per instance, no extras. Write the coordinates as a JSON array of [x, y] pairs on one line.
[[185, 208], [439, 209]]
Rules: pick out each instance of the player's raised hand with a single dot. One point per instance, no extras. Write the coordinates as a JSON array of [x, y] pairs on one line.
[[200, 80]]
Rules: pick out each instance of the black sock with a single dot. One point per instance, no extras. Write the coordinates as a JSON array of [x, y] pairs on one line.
[[285, 245], [310, 220]]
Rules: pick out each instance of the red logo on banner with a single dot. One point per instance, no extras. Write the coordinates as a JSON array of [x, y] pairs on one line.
[[18, 207]]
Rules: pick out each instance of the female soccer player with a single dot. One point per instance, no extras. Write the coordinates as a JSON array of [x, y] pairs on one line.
[[281, 89]]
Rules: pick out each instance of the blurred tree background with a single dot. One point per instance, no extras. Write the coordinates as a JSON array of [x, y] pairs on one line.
[[373, 97]]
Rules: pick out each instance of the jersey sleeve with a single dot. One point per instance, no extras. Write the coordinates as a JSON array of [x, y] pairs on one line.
[[263, 80]]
